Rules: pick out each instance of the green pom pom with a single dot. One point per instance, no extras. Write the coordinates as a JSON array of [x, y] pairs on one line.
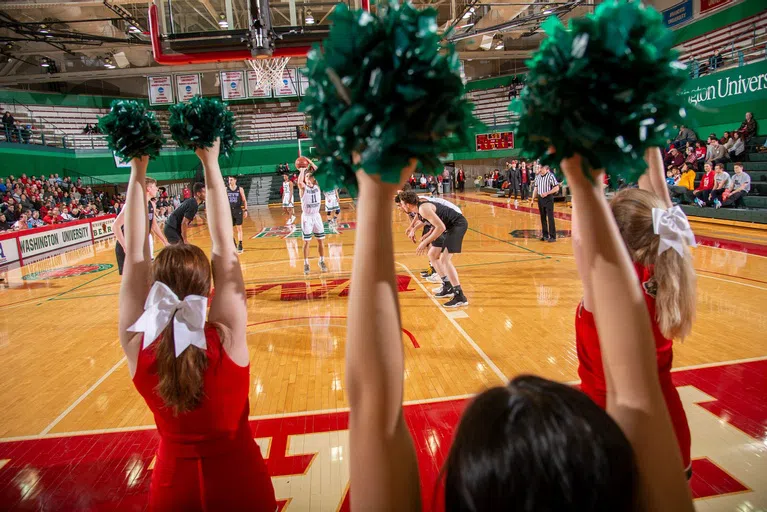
[[606, 88], [385, 86], [131, 131], [197, 123]]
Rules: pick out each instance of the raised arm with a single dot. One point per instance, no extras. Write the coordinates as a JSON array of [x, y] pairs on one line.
[[634, 397], [654, 179], [228, 305], [301, 180], [383, 467], [134, 287]]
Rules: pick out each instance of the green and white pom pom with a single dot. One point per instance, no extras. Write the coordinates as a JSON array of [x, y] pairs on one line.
[[385, 86], [131, 131], [197, 123], [607, 88]]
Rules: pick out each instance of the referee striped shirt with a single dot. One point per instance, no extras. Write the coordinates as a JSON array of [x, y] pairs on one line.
[[545, 182]]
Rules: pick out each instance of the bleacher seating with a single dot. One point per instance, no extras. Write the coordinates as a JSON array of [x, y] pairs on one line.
[[491, 106], [748, 36]]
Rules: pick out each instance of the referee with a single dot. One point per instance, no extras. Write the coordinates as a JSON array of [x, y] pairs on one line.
[[545, 187]]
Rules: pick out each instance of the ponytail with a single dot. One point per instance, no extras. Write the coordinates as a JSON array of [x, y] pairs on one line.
[[180, 378], [674, 275]]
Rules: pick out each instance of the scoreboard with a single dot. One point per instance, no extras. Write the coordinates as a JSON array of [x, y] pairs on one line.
[[497, 140]]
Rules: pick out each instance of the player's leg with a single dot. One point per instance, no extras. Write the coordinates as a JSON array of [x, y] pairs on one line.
[[453, 245], [306, 228], [319, 233]]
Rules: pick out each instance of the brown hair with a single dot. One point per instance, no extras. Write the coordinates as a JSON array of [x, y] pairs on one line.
[[149, 181], [673, 274], [408, 197], [186, 270]]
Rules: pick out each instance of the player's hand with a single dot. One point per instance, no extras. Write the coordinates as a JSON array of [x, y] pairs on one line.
[[244, 213], [422, 248]]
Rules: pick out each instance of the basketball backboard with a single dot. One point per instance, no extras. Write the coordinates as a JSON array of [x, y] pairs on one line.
[[262, 27]]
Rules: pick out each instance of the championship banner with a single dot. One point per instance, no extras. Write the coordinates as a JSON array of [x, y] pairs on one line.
[[303, 83], [160, 90], [679, 14], [289, 85], [187, 87], [265, 91], [233, 85], [9, 251], [709, 5], [38, 243], [102, 228]]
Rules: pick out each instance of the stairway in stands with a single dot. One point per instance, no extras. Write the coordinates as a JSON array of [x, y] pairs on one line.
[[259, 190]]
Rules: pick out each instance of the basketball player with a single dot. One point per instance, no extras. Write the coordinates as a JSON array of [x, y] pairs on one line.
[[154, 228], [331, 205], [237, 203], [178, 222], [446, 236], [311, 220], [287, 198]]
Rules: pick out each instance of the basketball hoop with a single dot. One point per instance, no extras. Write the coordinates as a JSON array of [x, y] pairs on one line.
[[268, 71]]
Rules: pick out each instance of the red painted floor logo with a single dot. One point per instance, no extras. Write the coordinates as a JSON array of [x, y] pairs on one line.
[[62, 272]]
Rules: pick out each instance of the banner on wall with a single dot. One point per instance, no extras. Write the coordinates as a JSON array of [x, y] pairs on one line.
[[187, 86], [233, 85], [160, 90], [289, 85], [679, 14], [9, 252], [709, 5], [254, 91], [737, 85], [303, 83], [102, 228], [38, 243]]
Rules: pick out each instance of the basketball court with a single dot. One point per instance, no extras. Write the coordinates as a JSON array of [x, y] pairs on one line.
[[76, 433]]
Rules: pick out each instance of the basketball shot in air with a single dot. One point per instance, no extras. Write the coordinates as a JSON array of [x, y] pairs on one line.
[[311, 220]]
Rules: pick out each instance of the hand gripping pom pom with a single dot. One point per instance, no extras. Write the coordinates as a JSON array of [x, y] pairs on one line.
[[131, 132], [197, 123], [385, 86], [607, 88]]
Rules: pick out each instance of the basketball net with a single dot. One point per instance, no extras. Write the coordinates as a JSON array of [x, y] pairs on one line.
[[268, 71]]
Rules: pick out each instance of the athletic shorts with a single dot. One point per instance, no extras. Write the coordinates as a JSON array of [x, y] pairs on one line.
[[173, 235], [287, 201], [426, 229], [453, 237], [332, 206], [120, 254], [312, 224], [237, 217]]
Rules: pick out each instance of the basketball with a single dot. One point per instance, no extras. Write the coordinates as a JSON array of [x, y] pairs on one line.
[[302, 163]]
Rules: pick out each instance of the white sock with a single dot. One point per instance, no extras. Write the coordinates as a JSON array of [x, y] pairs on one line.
[[306, 261], [322, 259]]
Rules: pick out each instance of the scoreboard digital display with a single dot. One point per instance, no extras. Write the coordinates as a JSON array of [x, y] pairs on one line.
[[492, 141]]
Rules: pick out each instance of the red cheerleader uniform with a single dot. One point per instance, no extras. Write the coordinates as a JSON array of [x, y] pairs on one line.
[[207, 459], [592, 374]]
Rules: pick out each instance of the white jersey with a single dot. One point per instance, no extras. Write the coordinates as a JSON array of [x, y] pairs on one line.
[[310, 200], [444, 202], [287, 196], [331, 199]]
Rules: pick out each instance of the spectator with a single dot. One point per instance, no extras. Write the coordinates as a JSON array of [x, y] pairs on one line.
[[65, 216], [691, 158], [739, 187], [738, 148], [674, 158], [53, 217], [186, 192], [721, 183], [35, 221], [717, 153], [422, 181], [685, 135], [683, 185], [5, 225], [460, 179], [700, 194], [176, 202], [748, 127], [21, 223], [75, 195]]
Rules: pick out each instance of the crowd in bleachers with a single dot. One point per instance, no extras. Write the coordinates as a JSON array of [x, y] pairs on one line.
[[31, 202], [687, 154]]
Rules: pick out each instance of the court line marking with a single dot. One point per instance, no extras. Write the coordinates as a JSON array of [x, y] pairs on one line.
[[423, 401], [83, 396], [732, 281], [510, 243], [457, 326]]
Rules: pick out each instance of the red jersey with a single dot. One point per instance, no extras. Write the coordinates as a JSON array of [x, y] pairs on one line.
[[207, 459], [707, 183], [186, 193], [591, 371]]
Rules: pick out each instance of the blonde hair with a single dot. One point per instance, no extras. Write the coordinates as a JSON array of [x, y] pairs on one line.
[[673, 274], [149, 181]]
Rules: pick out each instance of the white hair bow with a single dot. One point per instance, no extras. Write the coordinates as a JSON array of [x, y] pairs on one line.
[[188, 322], [673, 228]]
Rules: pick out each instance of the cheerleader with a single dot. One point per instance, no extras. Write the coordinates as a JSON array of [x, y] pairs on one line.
[[657, 236]]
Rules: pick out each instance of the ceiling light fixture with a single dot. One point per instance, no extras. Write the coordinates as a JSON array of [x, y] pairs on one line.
[[547, 11], [133, 29], [469, 25], [222, 21], [308, 18], [45, 63], [500, 46]]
